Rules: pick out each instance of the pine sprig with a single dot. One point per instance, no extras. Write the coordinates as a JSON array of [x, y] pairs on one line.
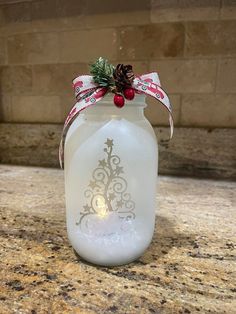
[[102, 72]]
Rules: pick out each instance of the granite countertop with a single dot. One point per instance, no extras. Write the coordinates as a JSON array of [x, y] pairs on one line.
[[189, 267]]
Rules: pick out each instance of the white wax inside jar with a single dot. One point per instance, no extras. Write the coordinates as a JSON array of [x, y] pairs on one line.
[[110, 240]]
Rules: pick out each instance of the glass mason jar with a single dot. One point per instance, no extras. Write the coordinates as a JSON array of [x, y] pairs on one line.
[[110, 182]]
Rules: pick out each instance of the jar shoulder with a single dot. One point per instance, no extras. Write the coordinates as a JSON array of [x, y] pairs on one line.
[[83, 127]]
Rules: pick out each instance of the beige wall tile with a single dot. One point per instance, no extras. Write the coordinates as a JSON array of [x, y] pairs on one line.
[[108, 6], [58, 24], [2, 18], [226, 81], [151, 41], [70, 8], [139, 67], [82, 22], [56, 79], [35, 109], [3, 52], [186, 76], [228, 10], [16, 79], [208, 110], [210, 38], [15, 28], [184, 10], [33, 48], [116, 19], [85, 46], [51, 9], [44, 9], [93, 14], [16, 12], [158, 115], [66, 103], [43, 26], [5, 108]]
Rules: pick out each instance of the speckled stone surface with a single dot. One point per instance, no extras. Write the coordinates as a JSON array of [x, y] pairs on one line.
[[189, 267]]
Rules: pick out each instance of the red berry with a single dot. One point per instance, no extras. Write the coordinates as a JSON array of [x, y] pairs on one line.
[[129, 93], [119, 100]]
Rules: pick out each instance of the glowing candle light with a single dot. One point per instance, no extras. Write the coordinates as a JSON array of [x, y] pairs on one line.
[[101, 207]]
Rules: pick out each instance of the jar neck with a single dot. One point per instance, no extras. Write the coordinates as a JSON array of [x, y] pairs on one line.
[[106, 106]]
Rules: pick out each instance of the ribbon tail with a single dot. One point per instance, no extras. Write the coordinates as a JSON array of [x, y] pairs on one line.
[[171, 123], [154, 90], [86, 102]]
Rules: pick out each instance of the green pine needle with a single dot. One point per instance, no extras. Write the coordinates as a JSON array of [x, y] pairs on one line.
[[102, 72]]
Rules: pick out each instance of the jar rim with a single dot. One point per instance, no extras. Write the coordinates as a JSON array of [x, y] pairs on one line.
[[139, 99]]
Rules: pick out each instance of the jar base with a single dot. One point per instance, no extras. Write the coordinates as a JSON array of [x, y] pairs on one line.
[[116, 248], [107, 264]]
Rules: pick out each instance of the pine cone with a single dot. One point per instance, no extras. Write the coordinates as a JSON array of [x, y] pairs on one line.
[[123, 76]]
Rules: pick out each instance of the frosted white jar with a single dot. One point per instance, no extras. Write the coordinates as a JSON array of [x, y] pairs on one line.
[[110, 182]]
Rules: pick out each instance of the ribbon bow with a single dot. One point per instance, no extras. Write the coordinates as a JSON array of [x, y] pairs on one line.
[[87, 93]]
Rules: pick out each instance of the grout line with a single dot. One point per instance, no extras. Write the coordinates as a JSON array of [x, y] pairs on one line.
[[85, 62], [185, 39], [118, 44], [6, 50], [217, 74], [180, 110], [220, 11]]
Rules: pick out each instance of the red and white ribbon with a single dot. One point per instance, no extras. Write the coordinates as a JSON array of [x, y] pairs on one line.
[[87, 93]]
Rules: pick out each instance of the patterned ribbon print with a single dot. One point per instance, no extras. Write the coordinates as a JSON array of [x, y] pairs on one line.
[[87, 93]]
